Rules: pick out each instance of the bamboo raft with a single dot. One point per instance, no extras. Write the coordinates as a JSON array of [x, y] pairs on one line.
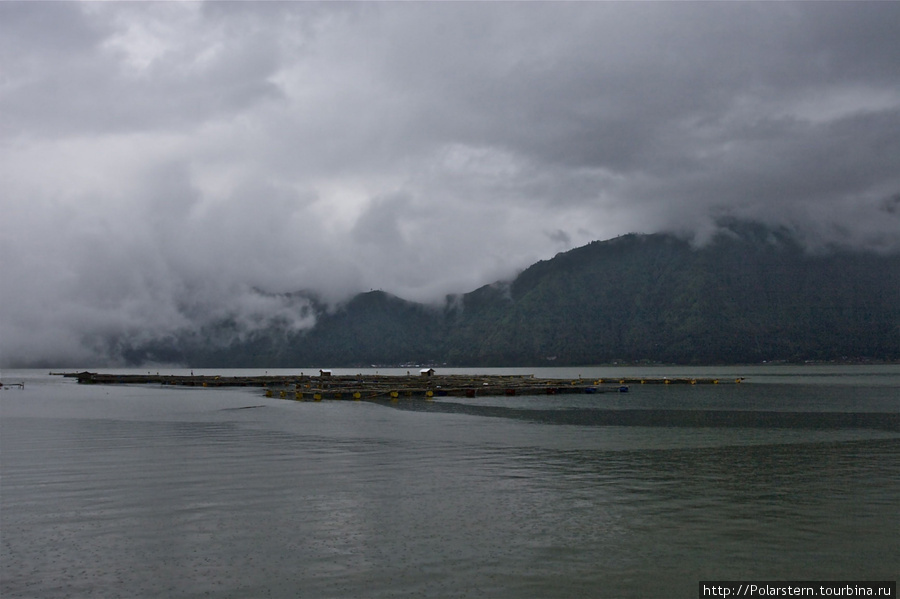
[[378, 387]]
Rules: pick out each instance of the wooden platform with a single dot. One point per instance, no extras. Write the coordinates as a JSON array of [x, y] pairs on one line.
[[367, 386]]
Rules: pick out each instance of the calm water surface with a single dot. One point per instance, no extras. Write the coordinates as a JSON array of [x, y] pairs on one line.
[[148, 491]]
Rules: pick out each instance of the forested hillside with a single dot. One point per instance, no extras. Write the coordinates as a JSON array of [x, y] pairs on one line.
[[750, 295], [744, 298]]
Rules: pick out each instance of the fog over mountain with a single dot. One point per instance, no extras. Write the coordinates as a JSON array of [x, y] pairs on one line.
[[167, 165]]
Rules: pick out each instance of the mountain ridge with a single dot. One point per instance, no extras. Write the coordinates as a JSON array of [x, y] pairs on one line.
[[749, 295]]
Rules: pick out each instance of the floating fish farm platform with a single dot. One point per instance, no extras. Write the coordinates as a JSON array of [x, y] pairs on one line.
[[374, 387]]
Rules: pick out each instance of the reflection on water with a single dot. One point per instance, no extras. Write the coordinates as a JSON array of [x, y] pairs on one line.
[[147, 492], [695, 418]]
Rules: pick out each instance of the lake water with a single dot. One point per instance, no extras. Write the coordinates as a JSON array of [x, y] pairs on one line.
[[149, 491]]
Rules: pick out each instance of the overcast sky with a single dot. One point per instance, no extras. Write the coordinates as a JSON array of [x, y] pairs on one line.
[[163, 163]]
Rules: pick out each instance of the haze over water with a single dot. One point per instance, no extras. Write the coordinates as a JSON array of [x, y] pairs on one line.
[[147, 491]]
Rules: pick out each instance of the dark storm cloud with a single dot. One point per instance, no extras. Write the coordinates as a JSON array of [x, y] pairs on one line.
[[164, 164]]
